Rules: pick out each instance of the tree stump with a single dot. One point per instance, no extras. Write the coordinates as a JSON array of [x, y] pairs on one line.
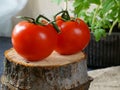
[[56, 72]]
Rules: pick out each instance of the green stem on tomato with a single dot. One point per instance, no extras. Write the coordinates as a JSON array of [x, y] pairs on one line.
[[65, 15], [42, 16], [114, 23], [54, 24], [38, 19], [58, 14], [29, 19]]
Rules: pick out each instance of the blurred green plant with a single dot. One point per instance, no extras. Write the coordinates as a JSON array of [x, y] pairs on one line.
[[104, 16]]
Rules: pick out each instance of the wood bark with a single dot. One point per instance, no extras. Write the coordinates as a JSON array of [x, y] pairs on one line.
[[56, 72]]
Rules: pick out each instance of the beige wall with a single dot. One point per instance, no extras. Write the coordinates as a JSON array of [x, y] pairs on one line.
[[36, 7]]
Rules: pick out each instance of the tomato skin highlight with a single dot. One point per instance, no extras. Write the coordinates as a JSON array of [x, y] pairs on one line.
[[33, 42], [74, 37]]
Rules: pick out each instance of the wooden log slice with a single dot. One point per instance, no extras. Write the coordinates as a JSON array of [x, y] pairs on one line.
[[56, 72]]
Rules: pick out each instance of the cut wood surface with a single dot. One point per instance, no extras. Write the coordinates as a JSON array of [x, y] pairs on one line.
[[54, 59], [56, 72]]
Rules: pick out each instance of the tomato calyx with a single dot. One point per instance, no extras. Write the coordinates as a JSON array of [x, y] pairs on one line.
[[35, 21], [65, 15], [39, 22], [29, 19]]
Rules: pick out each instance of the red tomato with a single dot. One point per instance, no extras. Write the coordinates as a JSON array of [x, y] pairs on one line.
[[73, 38], [59, 21], [34, 42]]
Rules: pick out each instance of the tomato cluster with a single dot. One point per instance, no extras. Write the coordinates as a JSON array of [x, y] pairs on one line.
[[36, 40]]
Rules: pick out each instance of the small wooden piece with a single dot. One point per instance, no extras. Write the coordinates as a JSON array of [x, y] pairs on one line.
[[56, 72]]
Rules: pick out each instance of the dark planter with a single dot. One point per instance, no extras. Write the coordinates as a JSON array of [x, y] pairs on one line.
[[105, 52]]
